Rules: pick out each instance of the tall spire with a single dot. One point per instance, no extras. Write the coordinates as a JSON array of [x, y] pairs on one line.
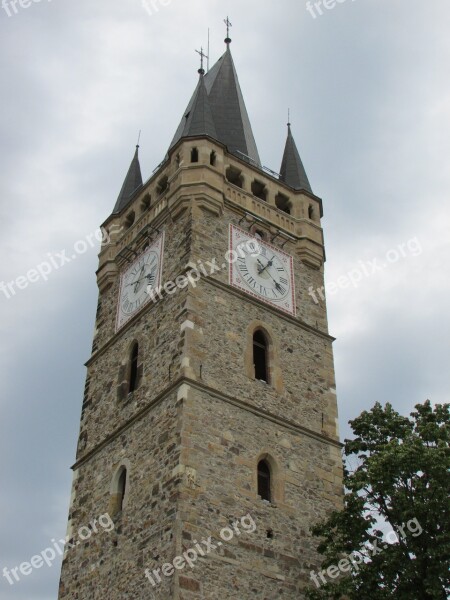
[[292, 171], [132, 182], [228, 110]]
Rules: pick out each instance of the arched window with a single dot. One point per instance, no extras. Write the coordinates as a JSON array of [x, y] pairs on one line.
[[311, 212], [264, 481], [162, 186], [134, 358], [145, 204], [283, 203], [260, 356], [194, 155], [212, 159], [235, 177], [259, 189], [118, 491], [131, 371], [129, 221]]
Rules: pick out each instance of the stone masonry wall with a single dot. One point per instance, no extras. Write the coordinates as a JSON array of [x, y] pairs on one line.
[[111, 564], [221, 445]]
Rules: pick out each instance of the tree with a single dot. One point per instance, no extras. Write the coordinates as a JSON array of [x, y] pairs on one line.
[[391, 540]]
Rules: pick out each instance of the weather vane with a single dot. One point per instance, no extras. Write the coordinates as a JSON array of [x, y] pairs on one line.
[[202, 56], [229, 24]]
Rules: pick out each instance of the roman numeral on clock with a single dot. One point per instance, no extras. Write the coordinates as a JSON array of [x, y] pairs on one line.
[[251, 281], [242, 266]]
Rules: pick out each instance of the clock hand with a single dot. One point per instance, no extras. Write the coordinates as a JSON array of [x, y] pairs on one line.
[[277, 285], [150, 277], [132, 283], [269, 264], [261, 265], [137, 280], [136, 287]]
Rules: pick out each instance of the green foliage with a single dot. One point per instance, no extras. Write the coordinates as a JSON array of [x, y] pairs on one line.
[[400, 484]]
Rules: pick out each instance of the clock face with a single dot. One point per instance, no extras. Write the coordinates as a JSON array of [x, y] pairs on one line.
[[262, 270], [143, 275]]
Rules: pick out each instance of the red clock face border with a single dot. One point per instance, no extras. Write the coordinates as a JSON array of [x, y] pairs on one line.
[[238, 235]]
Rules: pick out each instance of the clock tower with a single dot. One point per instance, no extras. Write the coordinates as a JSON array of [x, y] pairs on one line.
[[208, 442]]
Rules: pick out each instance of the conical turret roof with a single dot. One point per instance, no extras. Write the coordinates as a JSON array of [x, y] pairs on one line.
[[198, 119], [292, 171], [132, 182]]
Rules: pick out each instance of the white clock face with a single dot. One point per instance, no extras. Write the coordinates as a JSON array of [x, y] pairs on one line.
[[262, 270], [143, 275]]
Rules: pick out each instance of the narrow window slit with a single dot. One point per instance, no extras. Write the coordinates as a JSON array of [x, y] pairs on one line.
[[264, 484], [260, 356]]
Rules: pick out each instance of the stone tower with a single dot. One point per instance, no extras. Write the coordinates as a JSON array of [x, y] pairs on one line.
[[208, 441]]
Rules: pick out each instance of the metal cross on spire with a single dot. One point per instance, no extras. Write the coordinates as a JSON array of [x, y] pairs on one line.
[[202, 56], [229, 24]]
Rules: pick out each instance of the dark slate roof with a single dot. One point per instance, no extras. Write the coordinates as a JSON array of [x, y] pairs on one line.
[[198, 119], [292, 171], [132, 182], [229, 114]]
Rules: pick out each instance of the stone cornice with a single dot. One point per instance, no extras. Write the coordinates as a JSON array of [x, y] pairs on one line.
[[218, 395]]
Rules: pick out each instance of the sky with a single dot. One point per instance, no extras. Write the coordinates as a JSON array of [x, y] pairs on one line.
[[368, 89]]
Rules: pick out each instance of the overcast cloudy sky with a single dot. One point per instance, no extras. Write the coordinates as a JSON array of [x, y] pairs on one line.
[[368, 87]]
